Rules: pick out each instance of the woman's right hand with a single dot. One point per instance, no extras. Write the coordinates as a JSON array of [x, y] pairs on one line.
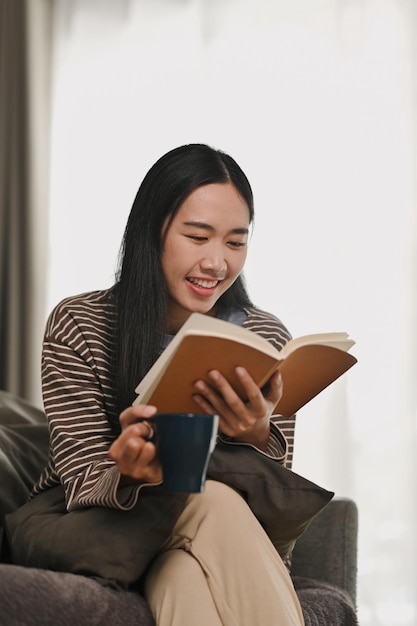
[[135, 456]]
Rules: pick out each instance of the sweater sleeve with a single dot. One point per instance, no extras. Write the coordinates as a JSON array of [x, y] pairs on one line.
[[75, 405], [276, 449], [273, 330]]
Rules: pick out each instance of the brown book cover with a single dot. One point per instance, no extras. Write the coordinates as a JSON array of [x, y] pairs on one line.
[[307, 364]]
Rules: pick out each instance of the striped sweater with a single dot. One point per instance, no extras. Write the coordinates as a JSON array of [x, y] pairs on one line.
[[79, 399]]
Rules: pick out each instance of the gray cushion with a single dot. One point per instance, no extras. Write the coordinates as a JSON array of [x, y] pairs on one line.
[[24, 441], [15, 410]]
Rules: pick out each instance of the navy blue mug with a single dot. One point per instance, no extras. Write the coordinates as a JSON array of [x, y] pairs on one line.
[[185, 442]]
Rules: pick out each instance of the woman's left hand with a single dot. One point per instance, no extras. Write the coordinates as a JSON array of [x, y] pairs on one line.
[[244, 421]]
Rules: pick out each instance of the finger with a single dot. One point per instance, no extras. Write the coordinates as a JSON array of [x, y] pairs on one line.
[[136, 458], [204, 404], [254, 395], [213, 399], [132, 436], [249, 411], [147, 467], [225, 391], [235, 416], [127, 446], [145, 423], [142, 429], [132, 413], [273, 390]]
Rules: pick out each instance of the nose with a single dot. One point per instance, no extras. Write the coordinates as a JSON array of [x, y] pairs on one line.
[[214, 260]]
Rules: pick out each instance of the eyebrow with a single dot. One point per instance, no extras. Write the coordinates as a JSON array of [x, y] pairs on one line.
[[203, 225]]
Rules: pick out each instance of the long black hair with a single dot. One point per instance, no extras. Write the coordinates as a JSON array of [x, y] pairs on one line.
[[141, 291]]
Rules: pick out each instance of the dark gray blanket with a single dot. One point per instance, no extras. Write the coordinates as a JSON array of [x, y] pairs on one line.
[[324, 604], [36, 597], [32, 597]]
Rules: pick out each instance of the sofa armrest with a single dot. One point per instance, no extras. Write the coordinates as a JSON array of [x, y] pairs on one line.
[[327, 551], [24, 446]]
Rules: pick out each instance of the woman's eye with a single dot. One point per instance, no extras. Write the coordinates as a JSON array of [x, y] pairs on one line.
[[237, 244], [197, 238]]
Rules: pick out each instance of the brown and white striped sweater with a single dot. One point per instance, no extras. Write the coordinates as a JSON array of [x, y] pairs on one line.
[[79, 400]]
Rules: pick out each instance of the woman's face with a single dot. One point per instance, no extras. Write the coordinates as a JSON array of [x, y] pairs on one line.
[[204, 250]]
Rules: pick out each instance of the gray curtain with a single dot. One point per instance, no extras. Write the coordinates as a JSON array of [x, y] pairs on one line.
[[15, 288]]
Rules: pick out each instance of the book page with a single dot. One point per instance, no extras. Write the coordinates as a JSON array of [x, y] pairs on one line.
[[339, 340]]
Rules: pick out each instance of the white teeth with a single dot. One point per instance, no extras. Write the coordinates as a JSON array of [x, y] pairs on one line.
[[207, 284]]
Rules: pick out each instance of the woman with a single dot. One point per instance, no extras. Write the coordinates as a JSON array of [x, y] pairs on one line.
[[184, 249]]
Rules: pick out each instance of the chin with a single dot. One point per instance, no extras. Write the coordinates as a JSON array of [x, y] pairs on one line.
[[204, 308]]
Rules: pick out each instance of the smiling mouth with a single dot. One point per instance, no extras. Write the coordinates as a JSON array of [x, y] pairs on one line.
[[206, 284]]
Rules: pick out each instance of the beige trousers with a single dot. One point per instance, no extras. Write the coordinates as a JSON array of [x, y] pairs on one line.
[[219, 568]]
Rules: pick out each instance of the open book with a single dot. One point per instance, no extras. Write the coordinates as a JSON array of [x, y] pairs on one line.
[[307, 364]]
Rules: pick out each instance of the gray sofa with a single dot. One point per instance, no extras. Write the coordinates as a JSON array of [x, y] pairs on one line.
[[323, 564]]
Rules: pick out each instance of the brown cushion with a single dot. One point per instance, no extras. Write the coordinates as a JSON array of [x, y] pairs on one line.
[[113, 546], [284, 502]]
